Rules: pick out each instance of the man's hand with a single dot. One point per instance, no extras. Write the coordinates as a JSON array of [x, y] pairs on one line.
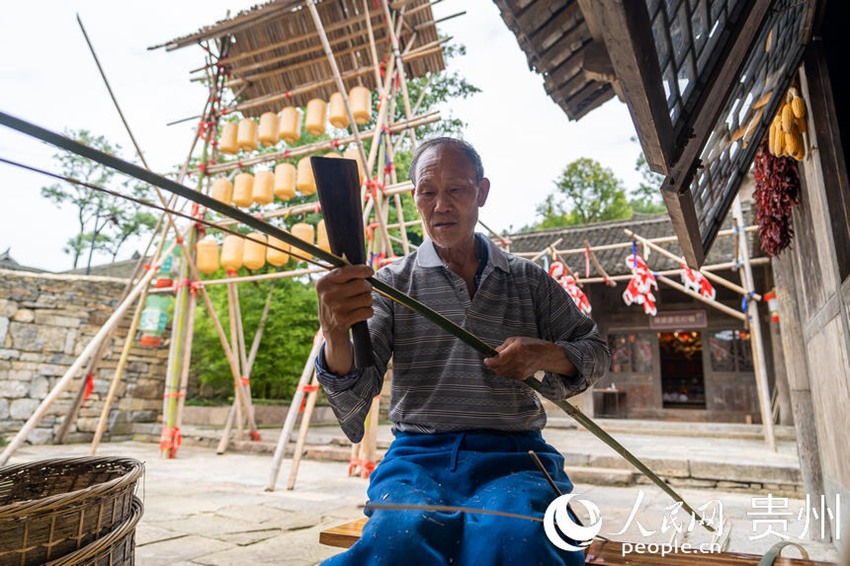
[[345, 297], [521, 357]]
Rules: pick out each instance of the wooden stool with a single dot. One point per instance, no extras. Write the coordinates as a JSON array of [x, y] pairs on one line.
[[609, 553], [343, 536]]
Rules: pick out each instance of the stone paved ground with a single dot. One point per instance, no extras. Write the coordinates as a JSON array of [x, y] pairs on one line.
[[204, 509]]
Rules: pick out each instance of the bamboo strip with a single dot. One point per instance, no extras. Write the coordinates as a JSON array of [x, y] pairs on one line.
[[69, 374], [241, 408]]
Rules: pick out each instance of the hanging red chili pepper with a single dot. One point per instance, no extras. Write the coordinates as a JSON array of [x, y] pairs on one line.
[[777, 191]]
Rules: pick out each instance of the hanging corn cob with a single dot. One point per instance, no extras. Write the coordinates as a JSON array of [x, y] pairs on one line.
[[785, 138]]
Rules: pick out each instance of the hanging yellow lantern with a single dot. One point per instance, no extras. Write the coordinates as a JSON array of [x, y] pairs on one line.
[[243, 190], [222, 190], [336, 111], [207, 255], [360, 100], [227, 141], [315, 120], [332, 154], [277, 257], [306, 184], [254, 256], [268, 134], [247, 136], [289, 124], [353, 153], [231, 253], [322, 236], [263, 192], [284, 181], [303, 231]]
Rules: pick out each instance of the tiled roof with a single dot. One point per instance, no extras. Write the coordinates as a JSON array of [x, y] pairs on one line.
[[612, 232]]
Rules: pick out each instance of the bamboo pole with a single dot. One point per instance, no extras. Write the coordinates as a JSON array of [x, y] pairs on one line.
[[719, 306], [69, 374], [292, 414], [244, 358], [538, 255], [241, 409], [598, 265], [708, 275], [399, 64], [119, 370], [187, 361], [755, 331], [370, 438], [302, 433], [373, 52]]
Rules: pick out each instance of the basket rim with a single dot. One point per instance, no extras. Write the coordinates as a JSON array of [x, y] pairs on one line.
[[94, 548], [135, 469]]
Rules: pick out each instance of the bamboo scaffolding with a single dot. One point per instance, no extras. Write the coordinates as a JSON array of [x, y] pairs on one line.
[[668, 272], [755, 329], [71, 372], [237, 308], [708, 275], [292, 414], [424, 119]]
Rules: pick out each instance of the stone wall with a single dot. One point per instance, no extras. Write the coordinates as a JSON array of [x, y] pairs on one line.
[[46, 320]]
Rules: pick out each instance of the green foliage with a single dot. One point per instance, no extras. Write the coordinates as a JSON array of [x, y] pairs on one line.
[[104, 222], [646, 198], [286, 340], [586, 192]]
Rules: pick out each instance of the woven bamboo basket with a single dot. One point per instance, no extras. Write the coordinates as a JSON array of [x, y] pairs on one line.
[[116, 548], [51, 508]]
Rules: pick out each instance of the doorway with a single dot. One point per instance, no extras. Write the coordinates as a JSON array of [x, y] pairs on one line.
[[682, 377]]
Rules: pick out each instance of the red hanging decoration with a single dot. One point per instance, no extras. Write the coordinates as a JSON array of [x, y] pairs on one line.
[[558, 272], [640, 285], [696, 282]]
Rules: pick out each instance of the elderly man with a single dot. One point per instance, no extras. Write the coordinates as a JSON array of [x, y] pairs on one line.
[[463, 425]]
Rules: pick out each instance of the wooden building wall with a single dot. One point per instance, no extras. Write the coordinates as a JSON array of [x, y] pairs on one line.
[[730, 389], [813, 282]]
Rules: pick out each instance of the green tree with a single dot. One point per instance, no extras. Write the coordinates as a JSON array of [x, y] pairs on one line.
[[285, 344], [104, 222], [586, 192], [646, 198]]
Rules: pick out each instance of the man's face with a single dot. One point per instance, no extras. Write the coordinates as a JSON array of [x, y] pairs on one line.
[[448, 195]]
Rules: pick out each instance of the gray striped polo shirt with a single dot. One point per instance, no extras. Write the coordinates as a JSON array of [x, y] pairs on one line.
[[440, 384]]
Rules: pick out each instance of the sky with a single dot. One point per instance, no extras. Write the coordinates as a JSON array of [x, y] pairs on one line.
[[48, 77]]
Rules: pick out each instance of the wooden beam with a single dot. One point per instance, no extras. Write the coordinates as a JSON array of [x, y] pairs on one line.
[[627, 32], [683, 215]]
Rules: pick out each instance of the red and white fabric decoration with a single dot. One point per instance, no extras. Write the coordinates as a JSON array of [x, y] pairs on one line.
[[558, 272], [696, 282], [640, 285]]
